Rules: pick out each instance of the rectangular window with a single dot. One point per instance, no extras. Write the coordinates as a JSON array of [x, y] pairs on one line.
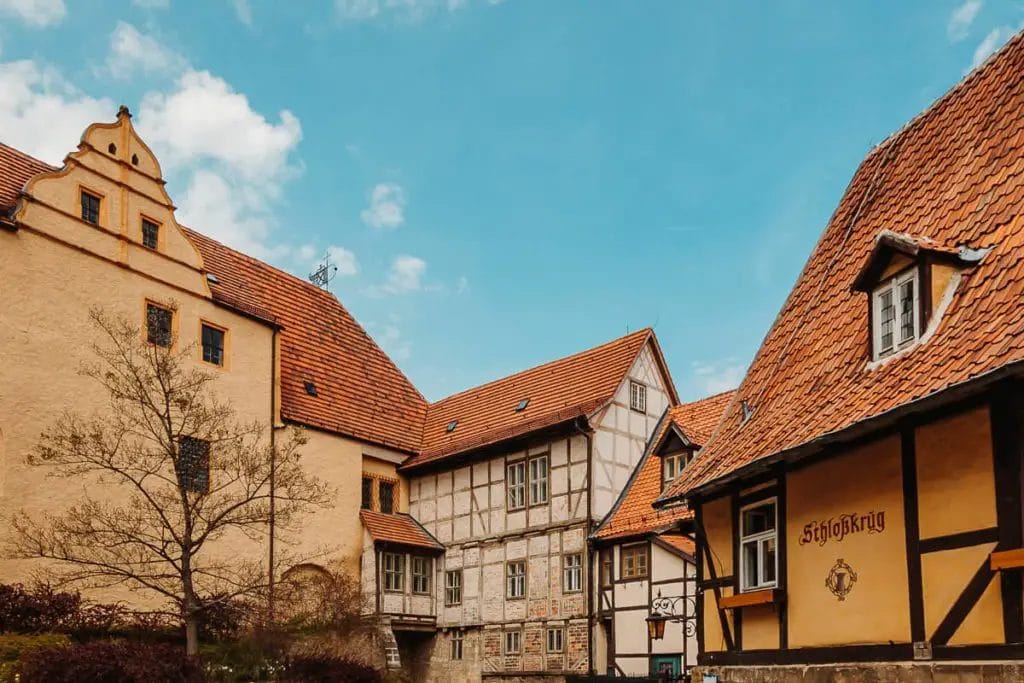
[[638, 397], [758, 543], [457, 640], [556, 638], [90, 208], [634, 561], [515, 481], [607, 567], [453, 587], [394, 572], [539, 480], [150, 234], [213, 345], [513, 642], [386, 496], [572, 573], [367, 501], [193, 466], [672, 466], [158, 325], [515, 579], [421, 575], [895, 315]]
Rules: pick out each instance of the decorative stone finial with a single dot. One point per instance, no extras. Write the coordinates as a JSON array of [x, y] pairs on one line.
[[122, 111]]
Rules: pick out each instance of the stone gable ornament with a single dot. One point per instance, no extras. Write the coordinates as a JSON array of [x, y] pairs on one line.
[[840, 579]]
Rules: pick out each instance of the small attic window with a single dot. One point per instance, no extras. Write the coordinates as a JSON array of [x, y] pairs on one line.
[[112, 148], [311, 388], [451, 426], [895, 314], [521, 406], [212, 279]]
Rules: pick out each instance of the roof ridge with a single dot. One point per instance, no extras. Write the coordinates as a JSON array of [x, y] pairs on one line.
[[706, 398], [562, 359]]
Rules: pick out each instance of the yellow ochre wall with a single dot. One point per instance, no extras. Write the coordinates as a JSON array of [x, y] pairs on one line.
[[718, 531]]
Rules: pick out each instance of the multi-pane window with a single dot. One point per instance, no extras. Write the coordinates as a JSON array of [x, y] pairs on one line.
[[394, 572], [453, 587], [758, 542], [150, 234], [193, 465], [634, 561], [513, 642], [539, 480], [515, 481], [572, 573], [386, 496], [638, 397], [213, 344], [672, 465], [607, 566], [556, 639], [90, 208], [421, 575], [895, 314], [457, 640], [367, 494], [158, 325], [515, 579]]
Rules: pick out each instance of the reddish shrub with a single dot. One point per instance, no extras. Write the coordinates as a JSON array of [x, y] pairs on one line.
[[327, 669], [37, 609], [110, 662]]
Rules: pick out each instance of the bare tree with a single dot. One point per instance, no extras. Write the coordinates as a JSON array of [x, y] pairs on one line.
[[172, 471]]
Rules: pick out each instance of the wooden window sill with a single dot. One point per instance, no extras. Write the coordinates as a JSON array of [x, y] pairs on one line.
[[1007, 559], [769, 596]]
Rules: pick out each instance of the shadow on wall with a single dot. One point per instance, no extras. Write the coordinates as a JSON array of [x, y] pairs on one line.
[[415, 648]]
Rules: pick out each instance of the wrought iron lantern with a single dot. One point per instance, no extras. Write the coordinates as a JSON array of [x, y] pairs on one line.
[[680, 609]]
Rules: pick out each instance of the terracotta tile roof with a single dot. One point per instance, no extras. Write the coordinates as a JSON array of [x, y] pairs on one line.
[[632, 514], [954, 176], [360, 391], [398, 528], [683, 544], [574, 386], [16, 168]]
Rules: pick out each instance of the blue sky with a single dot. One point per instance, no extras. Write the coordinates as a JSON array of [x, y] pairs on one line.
[[503, 183]]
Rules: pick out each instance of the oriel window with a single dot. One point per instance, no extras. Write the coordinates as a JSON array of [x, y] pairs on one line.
[[394, 572], [421, 575]]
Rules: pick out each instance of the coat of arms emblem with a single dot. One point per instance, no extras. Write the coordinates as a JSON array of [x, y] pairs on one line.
[[840, 579]]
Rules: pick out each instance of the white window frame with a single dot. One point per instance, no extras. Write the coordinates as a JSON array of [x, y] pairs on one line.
[[638, 397], [555, 640], [421, 570], [678, 462], [513, 642], [393, 565], [515, 484], [572, 573], [515, 582], [759, 539], [453, 587], [894, 286], [538, 473], [458, 642]]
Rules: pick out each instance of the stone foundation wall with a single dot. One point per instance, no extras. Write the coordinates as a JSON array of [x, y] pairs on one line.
[[911, 672]]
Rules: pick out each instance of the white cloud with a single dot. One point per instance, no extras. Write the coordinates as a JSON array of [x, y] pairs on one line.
[[243, 10], [34, 13], [343, 259], [719, 376], [961, 19], [405, 10], [387, 206], [42, 113], [403, 276], [204, 119], [992, 42], [462, 285], [356, 10], [132, 51], [152, 4], [389, 338]]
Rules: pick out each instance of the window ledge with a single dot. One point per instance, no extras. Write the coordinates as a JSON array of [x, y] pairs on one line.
[[1007, 559], [768, 596]]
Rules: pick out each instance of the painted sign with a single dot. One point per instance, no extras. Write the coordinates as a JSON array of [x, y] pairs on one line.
[[838, 528], [840, 579]]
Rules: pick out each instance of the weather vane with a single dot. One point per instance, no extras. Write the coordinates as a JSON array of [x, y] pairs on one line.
[[323, 275]]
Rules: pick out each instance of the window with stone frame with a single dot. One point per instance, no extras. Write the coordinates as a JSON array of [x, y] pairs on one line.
[[515, 483], [90, 207], [366, 503], [386, 496], [213, 344], [634, 561], [457, 638], [394, 572], [555, 640], [193, 466], [515, 579], [159, 325], [572, 573], [421, 575], [453, 587], [607, 561], [150, 234], [513, 642]]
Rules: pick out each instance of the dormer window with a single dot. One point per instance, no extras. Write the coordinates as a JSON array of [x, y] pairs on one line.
[[672, 465], [895, 314]]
